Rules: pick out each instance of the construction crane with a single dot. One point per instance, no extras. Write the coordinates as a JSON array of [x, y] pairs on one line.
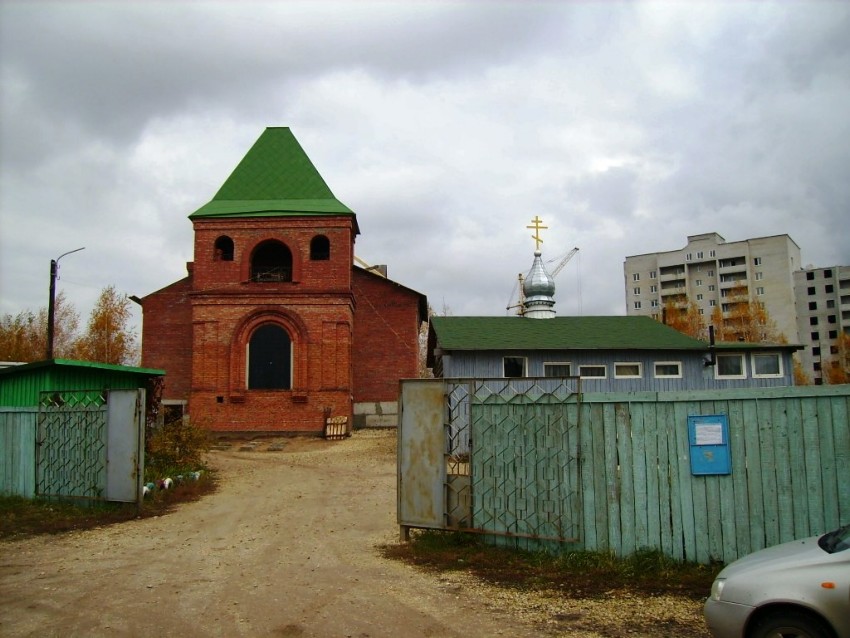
[[564, 261]]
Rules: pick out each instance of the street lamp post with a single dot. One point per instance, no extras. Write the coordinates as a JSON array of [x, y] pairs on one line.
[[54, 270]]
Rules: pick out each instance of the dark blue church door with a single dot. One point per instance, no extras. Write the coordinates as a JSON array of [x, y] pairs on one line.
[[270, 359]]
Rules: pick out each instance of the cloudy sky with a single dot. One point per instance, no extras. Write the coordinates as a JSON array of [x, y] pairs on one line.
[[446, 126]]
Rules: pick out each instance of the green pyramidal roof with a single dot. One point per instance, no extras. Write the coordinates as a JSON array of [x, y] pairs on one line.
[[274, 179]]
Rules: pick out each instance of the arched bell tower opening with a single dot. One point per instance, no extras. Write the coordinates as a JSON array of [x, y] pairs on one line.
[[223, 249], [271, 261]]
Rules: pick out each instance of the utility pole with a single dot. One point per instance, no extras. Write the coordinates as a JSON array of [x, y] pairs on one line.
[[54, 270]]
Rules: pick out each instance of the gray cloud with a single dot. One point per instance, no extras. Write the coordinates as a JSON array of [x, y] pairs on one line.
[[445, 126]]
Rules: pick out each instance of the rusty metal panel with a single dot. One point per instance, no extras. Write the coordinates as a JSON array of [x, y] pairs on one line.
[[421, 446]]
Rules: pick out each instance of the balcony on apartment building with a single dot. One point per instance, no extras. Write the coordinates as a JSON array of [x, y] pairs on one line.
[[733, 280], [671, 273], [732, 264]]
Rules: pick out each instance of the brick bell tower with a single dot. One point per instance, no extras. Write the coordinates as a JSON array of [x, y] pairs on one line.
[[258, 336]]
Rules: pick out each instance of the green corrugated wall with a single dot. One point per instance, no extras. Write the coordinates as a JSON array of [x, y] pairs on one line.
[[21, 387]]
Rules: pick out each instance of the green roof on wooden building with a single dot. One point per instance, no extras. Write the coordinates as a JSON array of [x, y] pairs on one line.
[[572, 333], [559, 333], [274, 179]]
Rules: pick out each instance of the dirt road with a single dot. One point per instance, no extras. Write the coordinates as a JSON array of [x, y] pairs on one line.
[[286, 547]]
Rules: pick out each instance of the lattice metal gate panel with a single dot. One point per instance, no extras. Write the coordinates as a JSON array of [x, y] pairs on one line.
[[513, 457], [71, 444]]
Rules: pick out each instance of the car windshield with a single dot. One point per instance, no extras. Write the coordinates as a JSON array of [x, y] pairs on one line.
[[836, 541]]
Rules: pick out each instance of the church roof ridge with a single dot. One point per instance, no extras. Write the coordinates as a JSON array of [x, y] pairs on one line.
[[276, 177]]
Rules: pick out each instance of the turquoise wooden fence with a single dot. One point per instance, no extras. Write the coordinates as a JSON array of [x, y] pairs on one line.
[[612, 472], [78, 444], [790, 451], [17, 451]]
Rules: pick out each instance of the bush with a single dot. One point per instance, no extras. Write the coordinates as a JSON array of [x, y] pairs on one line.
[[175, 448]]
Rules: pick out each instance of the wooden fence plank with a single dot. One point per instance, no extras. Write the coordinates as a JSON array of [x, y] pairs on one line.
[[666, 449], [626, 466], [693, 521], [574, 472], [17, 454], [841, 438], [752, 415], [674, 455], [784, 490], [612, 477], [812, 462], [739, 475], [827, 470], [797, 461], [639, 475], [767, 468], [588, 471], [653, 491]]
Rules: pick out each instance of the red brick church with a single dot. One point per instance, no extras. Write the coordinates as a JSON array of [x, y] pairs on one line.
[[274, 329]]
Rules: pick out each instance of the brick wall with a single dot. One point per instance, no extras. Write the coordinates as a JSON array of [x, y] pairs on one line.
[[386, 337], [354, 334], [167, 336]]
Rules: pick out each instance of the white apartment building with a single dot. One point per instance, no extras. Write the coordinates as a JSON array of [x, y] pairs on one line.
[[707, 269], [823, 311]]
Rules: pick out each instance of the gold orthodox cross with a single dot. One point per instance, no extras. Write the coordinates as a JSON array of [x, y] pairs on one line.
[[537, 227]]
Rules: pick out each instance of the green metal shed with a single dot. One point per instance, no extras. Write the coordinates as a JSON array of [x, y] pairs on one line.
[[22, 385], [89, 421]]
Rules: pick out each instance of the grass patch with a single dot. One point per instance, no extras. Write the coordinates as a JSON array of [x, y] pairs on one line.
[[571, 573], [23, 518], [175, 449]]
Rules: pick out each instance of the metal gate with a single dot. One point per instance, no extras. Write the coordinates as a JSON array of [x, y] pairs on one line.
[[90, 444], [510, 457], [71, 444]]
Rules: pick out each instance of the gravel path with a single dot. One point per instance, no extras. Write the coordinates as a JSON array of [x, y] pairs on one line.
[[285, 547]]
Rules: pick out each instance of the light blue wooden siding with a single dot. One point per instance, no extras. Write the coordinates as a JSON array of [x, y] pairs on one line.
[[695, 374], [17, 451]]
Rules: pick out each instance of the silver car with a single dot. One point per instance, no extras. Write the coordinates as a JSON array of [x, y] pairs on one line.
[[794, 590]]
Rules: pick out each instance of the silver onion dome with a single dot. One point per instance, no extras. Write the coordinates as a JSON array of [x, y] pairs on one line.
[[538, 291]]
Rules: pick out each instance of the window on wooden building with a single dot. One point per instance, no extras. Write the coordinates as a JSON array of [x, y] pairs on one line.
[[513, 367], [593, 372], [767, 364], [730, 366], [557, 369], [628, 370], [668, 369]]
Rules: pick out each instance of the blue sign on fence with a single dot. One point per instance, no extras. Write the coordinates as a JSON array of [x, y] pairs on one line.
[[708, 436]]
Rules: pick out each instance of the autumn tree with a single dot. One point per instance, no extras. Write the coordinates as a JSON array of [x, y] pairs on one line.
[[800, 375], [687, 320], [23, 337], [108, 337], [746, 320], [836, 369]]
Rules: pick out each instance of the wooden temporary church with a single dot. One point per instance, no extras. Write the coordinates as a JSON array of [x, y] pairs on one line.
[[274, 329]]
